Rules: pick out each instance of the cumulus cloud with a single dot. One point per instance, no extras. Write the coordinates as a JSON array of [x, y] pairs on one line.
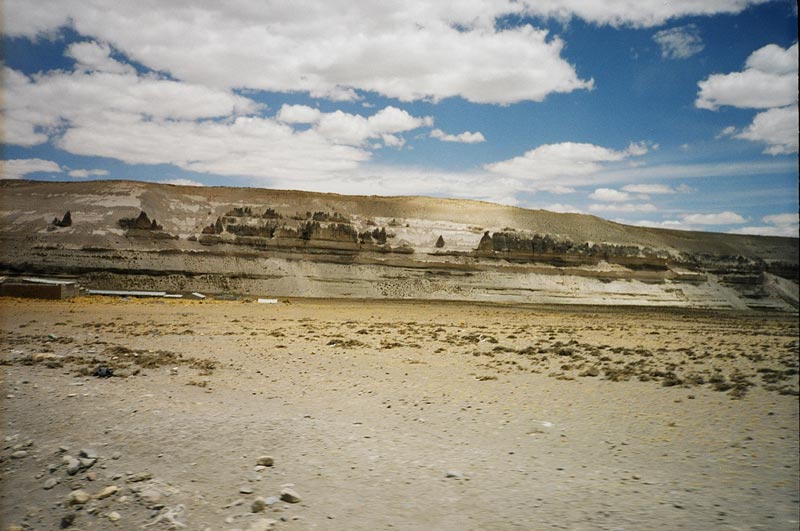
[[782, 219], [720, 218], [553, 166], [696, 222], [94, 56], [39, 107], [18, 168], [642, 13], [408, 50], [466, 137], [777, 128], [623, 207], [147, 119], [83, 174], [680, 42], [767, 230], [354, 129], [769, 81], [609, 195], [776, 225]]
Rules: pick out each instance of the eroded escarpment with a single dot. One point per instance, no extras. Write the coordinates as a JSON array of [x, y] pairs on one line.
[[244, 241]]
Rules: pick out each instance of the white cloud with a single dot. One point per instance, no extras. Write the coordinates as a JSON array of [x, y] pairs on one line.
[[246, 146], [408, 50], [650, 189], [181, 182], [768, 230], [609, 195], [692, 171], [777, 128], [39, 107], [149, 120], [721, 218], [782, 219], [777, 225], [466, 137], [561, 165], [83, 174], [18, 168], [298, 114], [641, 13], [94, 56], [623, 207], [680, 42], [769, 80], [353, 129], [562, 208]]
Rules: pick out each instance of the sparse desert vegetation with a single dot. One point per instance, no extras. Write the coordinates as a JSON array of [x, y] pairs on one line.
[[410, 415]]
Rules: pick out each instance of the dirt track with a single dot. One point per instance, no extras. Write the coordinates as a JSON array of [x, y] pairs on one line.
[[546, 417]]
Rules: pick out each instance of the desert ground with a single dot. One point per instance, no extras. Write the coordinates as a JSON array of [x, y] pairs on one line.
[[315, 414]]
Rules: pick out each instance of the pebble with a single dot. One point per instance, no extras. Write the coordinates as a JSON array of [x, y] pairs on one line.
[[235, 503], [258, 505], [262, 525], [272, 500], [106, 492], [246, 490], [114, 516], [19, 454], [290, 496], [78, 497], [88, 453], [142, 476], [91, 476], [265, 460], [50, 483], [150, 496], [116, 455], [455, 474], [73, 466], [87, 462], [67, 520]]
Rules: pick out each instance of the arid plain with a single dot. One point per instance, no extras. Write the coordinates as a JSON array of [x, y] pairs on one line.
[[396, 415]]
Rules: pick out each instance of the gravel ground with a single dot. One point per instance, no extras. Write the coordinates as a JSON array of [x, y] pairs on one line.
[[389, 415]]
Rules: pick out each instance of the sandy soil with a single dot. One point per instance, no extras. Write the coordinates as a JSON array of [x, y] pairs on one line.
[[543, 417]]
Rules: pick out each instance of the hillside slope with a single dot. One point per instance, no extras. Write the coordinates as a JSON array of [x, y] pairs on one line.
[[125, 234]]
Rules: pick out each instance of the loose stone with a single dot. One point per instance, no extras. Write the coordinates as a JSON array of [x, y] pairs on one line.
[[265, 460], [78, 497], [258, 505], [290, 496], [106, 492]]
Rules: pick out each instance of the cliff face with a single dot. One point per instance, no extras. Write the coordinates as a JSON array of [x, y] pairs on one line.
[[284, 243]]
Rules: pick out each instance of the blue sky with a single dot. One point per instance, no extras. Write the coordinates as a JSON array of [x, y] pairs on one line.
[[668, 114]]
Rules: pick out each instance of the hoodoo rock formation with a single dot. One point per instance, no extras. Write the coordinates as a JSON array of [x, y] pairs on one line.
[[285, 243]]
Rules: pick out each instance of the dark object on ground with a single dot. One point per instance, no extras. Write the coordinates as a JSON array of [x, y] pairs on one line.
[[104, 372], [66, 221]]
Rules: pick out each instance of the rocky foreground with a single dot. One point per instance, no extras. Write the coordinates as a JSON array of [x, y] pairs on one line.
[[313, 414], [236, 241]]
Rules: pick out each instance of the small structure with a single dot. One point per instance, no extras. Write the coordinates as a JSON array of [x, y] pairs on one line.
[[127, 293], [39, 288]]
